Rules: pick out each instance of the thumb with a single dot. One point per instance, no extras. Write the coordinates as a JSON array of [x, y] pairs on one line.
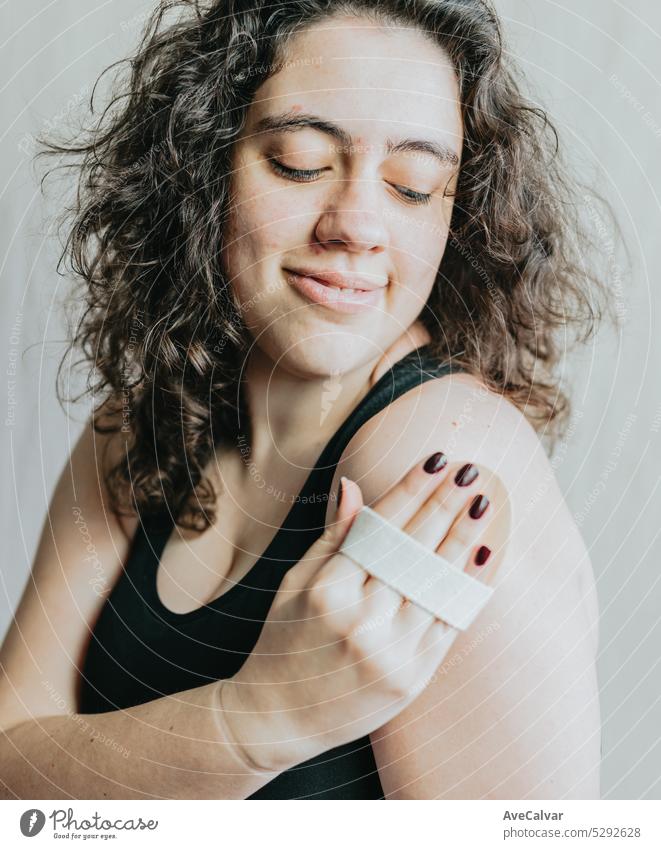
[[337, 527], [350, 502]]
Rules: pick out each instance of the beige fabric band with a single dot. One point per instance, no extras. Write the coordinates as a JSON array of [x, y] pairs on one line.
[[413, 570]]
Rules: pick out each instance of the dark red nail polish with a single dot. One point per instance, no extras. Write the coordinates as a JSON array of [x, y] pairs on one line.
[[483, 554], [339, 494], [435, 463], [478, 506], [466, 475]]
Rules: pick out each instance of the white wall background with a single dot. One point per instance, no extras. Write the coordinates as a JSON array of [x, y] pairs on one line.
[[595, 65]]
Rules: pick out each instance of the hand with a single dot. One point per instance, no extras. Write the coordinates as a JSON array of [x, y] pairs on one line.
[[341, 653]]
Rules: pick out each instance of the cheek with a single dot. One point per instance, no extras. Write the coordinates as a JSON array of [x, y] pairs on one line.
[[257, 236], [419, 257], [420, 253], [412, 297], [252, 252], [264, 229]]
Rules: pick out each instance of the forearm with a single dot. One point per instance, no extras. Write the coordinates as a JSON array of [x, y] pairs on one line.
[[175, 747]]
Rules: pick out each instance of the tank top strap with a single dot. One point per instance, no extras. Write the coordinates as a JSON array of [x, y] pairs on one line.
[[307, 517], [412, 370]]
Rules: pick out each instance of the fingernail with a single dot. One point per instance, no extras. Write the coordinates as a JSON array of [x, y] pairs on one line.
[[478, 506], [466, 475], [483, 554], [436, 462], [339, 492]]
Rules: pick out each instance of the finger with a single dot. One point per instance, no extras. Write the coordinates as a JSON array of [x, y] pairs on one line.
[[468, 535], [452, 522], [447, 502], [379, 596], [341, 580], [431, 520], [404, 499], [328, 544]]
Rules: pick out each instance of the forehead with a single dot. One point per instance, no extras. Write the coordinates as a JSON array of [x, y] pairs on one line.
[[373, 81]]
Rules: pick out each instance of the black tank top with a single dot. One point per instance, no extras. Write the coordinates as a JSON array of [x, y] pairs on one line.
[[140, 650]]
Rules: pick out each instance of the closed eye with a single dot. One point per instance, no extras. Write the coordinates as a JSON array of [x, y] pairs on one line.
[[305, 176], [295, 173]]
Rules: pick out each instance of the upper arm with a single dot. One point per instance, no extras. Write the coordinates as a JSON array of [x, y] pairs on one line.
[[512, 711], [79, 557]]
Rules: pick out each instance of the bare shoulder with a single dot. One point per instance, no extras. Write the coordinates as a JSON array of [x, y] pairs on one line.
[[103, 451], [455, 414], [524, 672], [459, 415], [79, 557]]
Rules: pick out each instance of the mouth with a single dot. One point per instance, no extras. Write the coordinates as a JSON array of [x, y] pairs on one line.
[[328, 293]]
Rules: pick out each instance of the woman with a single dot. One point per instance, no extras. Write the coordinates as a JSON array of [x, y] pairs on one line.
[[260, 159]]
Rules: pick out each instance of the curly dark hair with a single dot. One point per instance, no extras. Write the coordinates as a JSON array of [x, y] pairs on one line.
[[160, 328]]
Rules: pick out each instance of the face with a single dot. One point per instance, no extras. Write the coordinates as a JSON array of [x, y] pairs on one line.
[[346, 167]]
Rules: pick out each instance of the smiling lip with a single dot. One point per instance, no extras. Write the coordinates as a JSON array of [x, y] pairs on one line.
[[338, 279], [327, 293]]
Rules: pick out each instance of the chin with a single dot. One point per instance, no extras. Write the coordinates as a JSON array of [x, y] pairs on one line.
[[326, 353]]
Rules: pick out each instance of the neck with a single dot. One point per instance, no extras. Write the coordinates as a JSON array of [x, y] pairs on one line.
[[292, 418]]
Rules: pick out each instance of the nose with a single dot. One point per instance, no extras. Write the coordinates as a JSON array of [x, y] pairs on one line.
[[353, 217]]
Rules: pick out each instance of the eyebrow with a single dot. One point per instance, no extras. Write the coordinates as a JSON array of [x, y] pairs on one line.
[[290, 122]]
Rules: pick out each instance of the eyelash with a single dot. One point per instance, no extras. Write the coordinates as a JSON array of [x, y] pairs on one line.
[[309, 176]]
